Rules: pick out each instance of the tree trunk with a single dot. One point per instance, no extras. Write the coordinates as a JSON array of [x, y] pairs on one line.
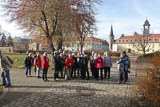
[[50, 42], [59, 44], [81, 48], [144, 51]]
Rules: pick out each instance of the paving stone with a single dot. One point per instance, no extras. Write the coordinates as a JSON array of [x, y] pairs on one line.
[[30, 92]]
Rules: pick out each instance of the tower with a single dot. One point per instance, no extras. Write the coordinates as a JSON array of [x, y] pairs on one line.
[[146, 28], [111, 39]]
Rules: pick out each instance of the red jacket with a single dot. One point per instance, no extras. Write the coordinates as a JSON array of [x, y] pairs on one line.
[[37, 61], [99, 63], [69, 63], [45, 62]]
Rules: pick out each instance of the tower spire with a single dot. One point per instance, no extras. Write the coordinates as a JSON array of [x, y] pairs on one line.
[[111, 33], [111, 39]]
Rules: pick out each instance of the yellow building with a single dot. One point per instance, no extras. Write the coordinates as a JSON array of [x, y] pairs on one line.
[[139, 43]]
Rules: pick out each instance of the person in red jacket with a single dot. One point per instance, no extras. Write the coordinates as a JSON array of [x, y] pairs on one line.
[[45, 66], [37, 63], [68, 64], [99, 65]]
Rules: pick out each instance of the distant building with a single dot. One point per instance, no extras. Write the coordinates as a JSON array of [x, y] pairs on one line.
[[91, 43], [21, 44], [128, 43]]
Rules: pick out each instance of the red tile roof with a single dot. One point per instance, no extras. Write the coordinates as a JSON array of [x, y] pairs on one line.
[[153, 38]]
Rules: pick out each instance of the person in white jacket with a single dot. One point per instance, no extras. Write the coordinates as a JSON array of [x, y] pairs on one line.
[[5, 66]]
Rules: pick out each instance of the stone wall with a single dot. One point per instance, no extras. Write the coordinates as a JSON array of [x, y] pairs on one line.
[[6, 49]]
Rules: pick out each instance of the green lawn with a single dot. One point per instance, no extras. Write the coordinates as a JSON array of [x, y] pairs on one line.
[[115, 58], [143, 59], [19, 60], [1, 89]]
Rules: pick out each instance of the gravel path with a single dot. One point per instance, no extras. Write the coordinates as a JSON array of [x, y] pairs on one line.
[[33, 92]]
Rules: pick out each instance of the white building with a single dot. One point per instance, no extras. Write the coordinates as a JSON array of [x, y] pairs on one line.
[[91, 43]]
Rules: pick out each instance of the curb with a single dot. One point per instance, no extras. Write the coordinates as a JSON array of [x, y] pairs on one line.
[[5, 90]]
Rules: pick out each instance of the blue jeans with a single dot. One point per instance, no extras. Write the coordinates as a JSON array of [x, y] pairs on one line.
[[6, 77], [28, 71], [38, 71], [44, 75]]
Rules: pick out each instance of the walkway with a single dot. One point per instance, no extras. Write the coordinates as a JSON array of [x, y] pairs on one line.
[[33, 92]]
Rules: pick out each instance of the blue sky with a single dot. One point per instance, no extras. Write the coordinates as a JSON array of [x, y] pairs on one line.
[[126, 17]]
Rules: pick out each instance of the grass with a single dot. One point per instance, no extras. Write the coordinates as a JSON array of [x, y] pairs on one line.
[[143, 59], [1, 89], [115, 58], [19, 60]]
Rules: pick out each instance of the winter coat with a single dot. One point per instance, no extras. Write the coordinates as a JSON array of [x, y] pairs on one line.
[[28, 62], [56, 62], [75, 61], [69, 63], [107, 61], [99, 63], [5, 64], [122, 64], [45, 62], [78, 62], [37, 61], [84, 62]]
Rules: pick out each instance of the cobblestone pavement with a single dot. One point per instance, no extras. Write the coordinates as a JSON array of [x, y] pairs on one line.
[[33, 92]]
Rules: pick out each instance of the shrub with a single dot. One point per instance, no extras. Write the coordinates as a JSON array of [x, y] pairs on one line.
[[145, 57], [115, 54], [149, 83]]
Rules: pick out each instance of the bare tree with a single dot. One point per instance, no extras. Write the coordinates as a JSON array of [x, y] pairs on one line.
[[142, 43], [85, 20], [49, 17]]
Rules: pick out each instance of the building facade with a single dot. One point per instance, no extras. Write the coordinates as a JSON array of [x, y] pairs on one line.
[[91, 43], [20, 44], [138, 42]]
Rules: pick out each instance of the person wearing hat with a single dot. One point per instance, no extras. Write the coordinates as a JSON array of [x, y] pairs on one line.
[[5, 66], [28, 62]]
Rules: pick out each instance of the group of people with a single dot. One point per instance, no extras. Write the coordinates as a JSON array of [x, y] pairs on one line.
[[73, 65]]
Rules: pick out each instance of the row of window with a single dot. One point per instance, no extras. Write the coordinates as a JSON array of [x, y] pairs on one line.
[[135, 40]]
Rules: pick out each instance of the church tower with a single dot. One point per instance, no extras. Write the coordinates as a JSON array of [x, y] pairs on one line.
[[111, 39], [146, 26]]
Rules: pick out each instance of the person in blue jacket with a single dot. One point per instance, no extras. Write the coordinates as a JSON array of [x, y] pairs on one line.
[[123, 66]]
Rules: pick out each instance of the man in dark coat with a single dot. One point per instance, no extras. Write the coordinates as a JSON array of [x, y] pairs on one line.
[[55, 62], [28, 62], [84, 66], [73, 72]]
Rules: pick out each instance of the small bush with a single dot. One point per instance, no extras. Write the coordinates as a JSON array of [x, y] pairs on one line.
[[149, 83], [145, 57], [115, 54]]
